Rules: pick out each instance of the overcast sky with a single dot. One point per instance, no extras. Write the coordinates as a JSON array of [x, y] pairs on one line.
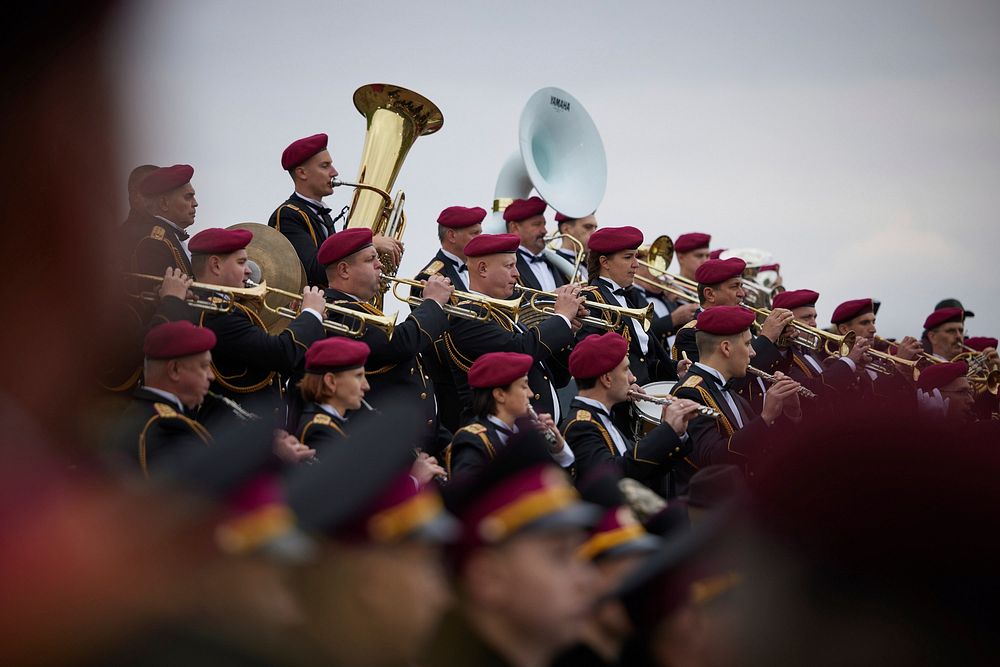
[[859, 142]]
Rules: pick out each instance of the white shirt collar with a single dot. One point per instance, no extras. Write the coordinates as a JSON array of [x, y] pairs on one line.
[[332, 411], [172, 224], [452, 257], [614, 285], [315, 203], [525, 250], [710, 370], [593, 402], [167, 395]]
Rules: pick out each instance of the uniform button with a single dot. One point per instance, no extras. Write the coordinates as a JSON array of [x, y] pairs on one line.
[[430, 422], [412, 370], [545, 377], [537, 397], [642, 359], [423, 395]]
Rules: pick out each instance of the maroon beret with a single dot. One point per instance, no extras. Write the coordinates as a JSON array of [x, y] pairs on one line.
[[609, 240], [715, 253], [795, 298], [715, 271], [596, 355], [692, 241], [850, 309], [490, 244], [943, 316], [769, 267], [166, 179], [340, 245], [938, 375], [460, 217], [336, 353], [177, 339], [498, 369], [522, 209], [301, 150], [725, 320], [216, 241], [562, 218], [980, 343]]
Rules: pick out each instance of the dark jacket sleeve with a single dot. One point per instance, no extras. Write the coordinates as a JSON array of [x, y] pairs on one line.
[[466, 456], [296, 228], [685, 342], [649, 459], [153, 257], [319, 436], [238, 337], [712, 443], [415, 334]]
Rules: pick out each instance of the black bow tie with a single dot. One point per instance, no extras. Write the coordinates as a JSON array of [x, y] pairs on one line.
[[532, 259], [724, 386], [628, 294], [323, 210], [182, 235], [506, 431], [462, 267]]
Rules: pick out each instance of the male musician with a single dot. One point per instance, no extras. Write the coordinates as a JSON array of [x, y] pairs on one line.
[[526, 219], [600, 365], [493, 273], [501, 403], [136, 205], [944, 391], [944, 329], [177, 373], [670, 313], [612, 266], [523, 593], [303, 218], [580, 229], [691, 250], [249, 362], [353, 271], [725, 350], [858, 315], [156, 240]]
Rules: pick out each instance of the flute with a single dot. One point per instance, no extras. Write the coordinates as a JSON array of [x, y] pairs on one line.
[[550, 437], [703, 410], [767, 377]]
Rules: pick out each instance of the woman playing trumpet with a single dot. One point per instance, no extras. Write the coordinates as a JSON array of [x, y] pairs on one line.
[[501, 403]]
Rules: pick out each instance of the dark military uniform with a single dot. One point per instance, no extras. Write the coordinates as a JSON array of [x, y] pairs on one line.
[[528, 277], [320, 430], [395, 365], [835, 377], [306, 228], [473, 446], [153, 246], [718, 440], [662, 327], [549, 342], [152, 426], [248, 362], [649, 460]]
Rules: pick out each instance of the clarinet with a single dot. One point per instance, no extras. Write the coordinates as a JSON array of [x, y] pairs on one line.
[[550, 437]]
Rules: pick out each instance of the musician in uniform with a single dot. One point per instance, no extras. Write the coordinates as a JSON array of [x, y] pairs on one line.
[[156, 239], [858, 315], [944, 329], [353, 271], [692, 251], [136, 205], [580, 229], [334, 383], [501, 403], [249, 363], [457, 225], [739, 434], [523, 592], [177, 372], [669, 313], [600, 366], [526, 219], [303, 218], [493, 273]]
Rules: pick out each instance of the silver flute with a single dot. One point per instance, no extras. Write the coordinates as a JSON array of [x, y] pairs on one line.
[[767, 377], [550, 437], [703, 410]]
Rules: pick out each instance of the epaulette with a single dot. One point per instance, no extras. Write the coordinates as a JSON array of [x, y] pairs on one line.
[[474, 429], [690, 325], [294, 208], [164, 410], [583, 415], [325, 420], [692, 381], [158, 233]]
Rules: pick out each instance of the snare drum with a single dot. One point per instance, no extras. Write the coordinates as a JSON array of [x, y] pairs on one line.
[[649, 413]]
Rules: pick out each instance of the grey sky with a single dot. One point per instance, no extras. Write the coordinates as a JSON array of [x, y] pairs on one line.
[[858, 142]]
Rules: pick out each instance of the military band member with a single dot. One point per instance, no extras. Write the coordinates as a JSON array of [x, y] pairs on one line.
[[177, 371], [944, 391], [353, 271], [670, 312], [501, 403], [457, 225], [526, 219], [691, 251], [523, 592], [136, 205], [739, 434], [944, 330], [858, 315], [333, 385], [157, 239], [250, 364], [600, 366], [493, 273], [580, 229], [612, 265], [303, 218]]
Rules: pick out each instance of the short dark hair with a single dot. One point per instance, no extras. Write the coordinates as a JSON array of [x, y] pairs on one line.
[[442, 231], [483, 403], [701, 292], [586, 383], [708, 343]]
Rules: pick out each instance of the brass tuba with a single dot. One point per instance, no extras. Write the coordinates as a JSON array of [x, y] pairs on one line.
[[396, 117]]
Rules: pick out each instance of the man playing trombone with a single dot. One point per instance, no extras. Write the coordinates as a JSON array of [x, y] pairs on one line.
[[580, 229]]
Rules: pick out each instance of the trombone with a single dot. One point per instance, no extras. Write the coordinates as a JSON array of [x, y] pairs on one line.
[[213, 301], [659, 254], [614, 314], [386, 323], [580, 252], [509, 307]]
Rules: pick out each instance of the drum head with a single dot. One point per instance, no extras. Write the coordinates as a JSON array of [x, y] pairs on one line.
[[650, 412]]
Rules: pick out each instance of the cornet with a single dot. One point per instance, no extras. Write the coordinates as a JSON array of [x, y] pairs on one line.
[[814, 338], [509, 307], [387, 323]]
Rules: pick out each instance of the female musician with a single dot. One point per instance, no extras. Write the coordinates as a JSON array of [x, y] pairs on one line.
[[500, 398]]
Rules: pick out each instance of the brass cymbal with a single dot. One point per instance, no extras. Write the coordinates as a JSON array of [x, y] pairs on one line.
[[279, 266]]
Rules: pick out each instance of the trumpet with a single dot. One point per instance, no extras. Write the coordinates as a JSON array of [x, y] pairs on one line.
[[387, 323], [214, 301], [509, 307], [767, 377], [814, 338], [615, 314], [657, 399]]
